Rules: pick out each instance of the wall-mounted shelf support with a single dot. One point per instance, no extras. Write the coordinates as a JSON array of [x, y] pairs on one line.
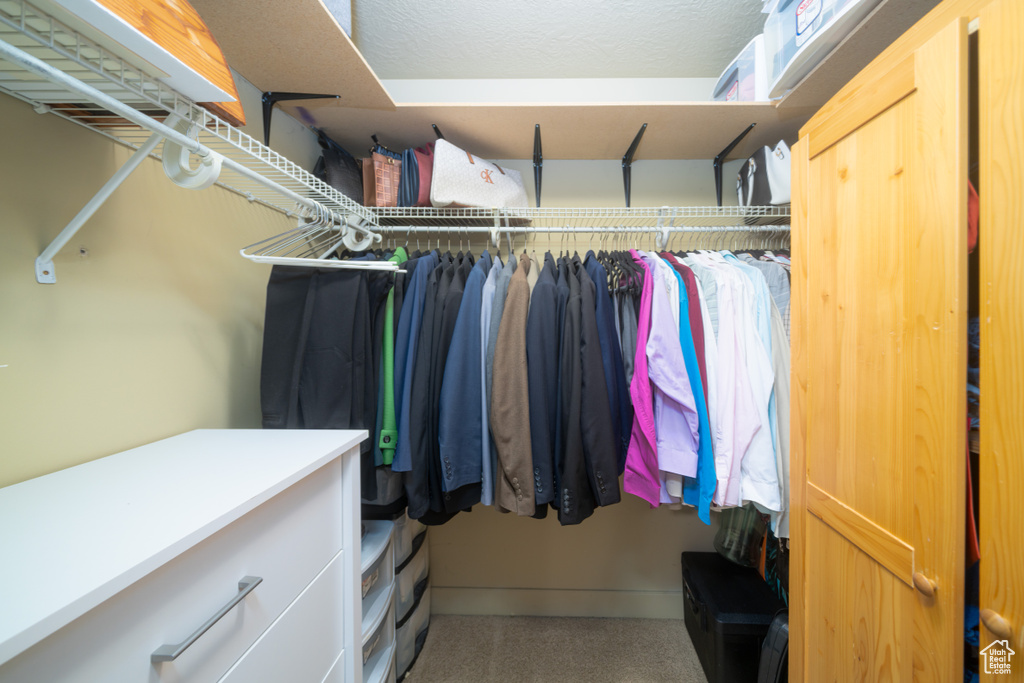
[[45, 273], [83, 83], [627, 161], [270, 98], [538, 161], [720, 159]]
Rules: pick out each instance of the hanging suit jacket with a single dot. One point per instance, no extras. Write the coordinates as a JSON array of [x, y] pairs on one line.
[[510, 409], [406, 352], [487, 457], [417, 486], [561, 301], [611, 356], [576, 500], [497, 310], [461, 411], [542, 369], [290, 298], [443, 504], [600, 447], [320, 367]]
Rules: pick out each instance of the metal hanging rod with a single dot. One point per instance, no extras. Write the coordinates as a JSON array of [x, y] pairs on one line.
[[610, 216], [528, 229], [662, 233]]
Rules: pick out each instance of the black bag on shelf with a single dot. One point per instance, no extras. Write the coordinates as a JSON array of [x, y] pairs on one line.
[[339, 169]]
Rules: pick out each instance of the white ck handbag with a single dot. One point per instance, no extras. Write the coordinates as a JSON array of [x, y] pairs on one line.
[[462, 180]]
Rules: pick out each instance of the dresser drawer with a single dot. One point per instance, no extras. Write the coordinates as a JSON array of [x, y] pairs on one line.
[[286, 541], [303, 644]]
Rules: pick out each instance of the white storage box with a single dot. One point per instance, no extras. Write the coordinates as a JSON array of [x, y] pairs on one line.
[[406, 531], [407, 578], [799, 33], [746, 78], [378, 566], [412, 631], [379, 649]]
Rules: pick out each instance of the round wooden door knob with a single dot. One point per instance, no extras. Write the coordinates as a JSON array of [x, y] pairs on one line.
[[924, 585], [996, 624]]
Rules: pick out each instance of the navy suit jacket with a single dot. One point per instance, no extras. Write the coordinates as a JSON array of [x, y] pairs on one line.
[[542, 328]]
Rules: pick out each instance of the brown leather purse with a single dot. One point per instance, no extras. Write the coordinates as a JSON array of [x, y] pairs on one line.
[[387, 173]]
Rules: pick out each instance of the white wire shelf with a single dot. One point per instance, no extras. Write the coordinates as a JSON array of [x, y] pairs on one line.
[[59, 71], [556, 219]]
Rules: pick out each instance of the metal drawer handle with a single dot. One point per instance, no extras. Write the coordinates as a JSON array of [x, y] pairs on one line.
[[168, 653]]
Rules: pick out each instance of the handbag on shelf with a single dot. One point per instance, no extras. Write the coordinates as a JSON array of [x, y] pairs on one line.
[[369, 183], [409, 187], [764, 179], [338, 168], [425, 162], [382, 174], [460, 179]]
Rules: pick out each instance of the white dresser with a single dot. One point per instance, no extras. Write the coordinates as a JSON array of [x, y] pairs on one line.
[[115, 564]]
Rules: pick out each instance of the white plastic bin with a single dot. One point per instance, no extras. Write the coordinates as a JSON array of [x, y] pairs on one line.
[[379, 649], [799, 33], [406, 531], [746, 78], [407, 579], [411, 632]]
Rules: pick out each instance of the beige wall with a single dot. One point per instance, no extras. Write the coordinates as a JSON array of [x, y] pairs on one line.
[[154, 325], [156, 330]]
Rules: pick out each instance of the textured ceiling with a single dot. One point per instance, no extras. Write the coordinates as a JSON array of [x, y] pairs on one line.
[[551, 39]]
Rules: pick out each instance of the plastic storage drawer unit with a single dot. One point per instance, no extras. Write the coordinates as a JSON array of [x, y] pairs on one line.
[[408, 577], [728, 609], [411, 633]]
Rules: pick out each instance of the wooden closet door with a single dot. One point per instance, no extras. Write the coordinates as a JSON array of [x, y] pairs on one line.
[[879, 240], [1001, 103]]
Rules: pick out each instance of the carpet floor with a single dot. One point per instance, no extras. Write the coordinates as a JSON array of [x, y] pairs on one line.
[[467, 649]]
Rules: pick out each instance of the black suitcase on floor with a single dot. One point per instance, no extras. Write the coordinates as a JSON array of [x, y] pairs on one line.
[[728, 609]]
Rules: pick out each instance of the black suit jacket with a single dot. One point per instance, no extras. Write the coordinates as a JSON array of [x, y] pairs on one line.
[[575, 500], [600, 445], [542, 353]]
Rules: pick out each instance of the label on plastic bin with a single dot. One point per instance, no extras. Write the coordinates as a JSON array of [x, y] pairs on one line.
[[370, 581], [807, 13], [734, 92]]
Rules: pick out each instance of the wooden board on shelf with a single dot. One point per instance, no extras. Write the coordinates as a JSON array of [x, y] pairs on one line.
[[692, 130], [168, 39], [294, 46]]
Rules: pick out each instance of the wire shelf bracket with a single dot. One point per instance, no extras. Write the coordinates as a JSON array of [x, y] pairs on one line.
[[63, 73]]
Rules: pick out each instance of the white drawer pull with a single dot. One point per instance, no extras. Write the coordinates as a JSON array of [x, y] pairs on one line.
[[168, 653]]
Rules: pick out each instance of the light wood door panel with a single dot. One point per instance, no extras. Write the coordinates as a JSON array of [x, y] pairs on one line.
[[1001, 95], [880, 392], [863, 629]]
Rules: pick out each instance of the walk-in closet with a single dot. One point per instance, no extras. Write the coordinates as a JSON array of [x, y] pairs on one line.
[[343, 342]]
